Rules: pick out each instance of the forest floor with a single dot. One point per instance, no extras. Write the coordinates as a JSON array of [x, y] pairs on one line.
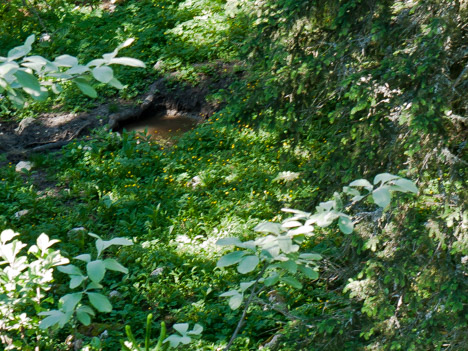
[[165, 97]]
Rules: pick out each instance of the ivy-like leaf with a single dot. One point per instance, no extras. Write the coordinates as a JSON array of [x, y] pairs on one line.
[[230, 259]]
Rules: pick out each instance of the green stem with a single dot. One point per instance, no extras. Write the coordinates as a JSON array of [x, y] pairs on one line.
[[162, 336], [148, 331]]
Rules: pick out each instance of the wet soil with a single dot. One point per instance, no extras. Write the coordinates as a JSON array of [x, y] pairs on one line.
[[170, 108]]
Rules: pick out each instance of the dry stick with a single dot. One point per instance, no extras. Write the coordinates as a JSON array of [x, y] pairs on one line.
[[253, 293]]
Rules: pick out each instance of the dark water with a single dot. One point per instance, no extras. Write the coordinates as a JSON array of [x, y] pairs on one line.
[[162, 127]]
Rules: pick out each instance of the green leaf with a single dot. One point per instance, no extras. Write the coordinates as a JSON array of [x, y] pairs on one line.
[[85, 87], [310, 256], [100, 302], [228, 241], [291, 281], [21, 50], [362, 182], [230, 259], [384, 177], [84, 257], [66, 61], [44, 243], [7, 235], [83, 317], [182, 328], [54, 317], [285, 244], [113, 265], [269, 227], [406, 185], [70, 301], [244, 286], [308, 272], [290, 266], [103, 74], [382, 196], [76, 280], [272, 279], [70, 270], [235, 301], [29, 83], [345, 224], [197, 330], [116, 83], [248, 264], [127, 61], [96, 270]]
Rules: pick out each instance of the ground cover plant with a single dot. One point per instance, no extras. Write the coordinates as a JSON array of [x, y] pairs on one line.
[[331, 93]]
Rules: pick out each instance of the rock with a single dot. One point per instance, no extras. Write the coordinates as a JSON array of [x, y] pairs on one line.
[[23, 165], [25, 123], [195, 182], [21, 213]]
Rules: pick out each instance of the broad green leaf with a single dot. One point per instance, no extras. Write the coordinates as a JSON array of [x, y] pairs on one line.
[[54, 317], [76, 280], [291, 224], [44, 243], [246, 285], [7, 235], [384, 177], [291, 281], [83, 317], [85, 88], [174, 340], [116, 83], [77, 70], [94, 285], [269, 227], [19, 51], [29, 83], [197, 330], [406, 185], [182, 328], [103, 74], [96, 270], [66, 61], [308, 272], [96, 63], [230, 259], [228, 241], [345, 224], [362, 182], [382, 196], [290, 266], [113, 265], [247, 264], [70, 270], [305, 229], [272, 279], [70, 301], [235, 301], [310, 256], [100, 302], [285, 244], [127, 61], [229, 293], [84, 257]]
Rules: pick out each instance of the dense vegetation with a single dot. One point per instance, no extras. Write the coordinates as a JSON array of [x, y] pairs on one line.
[[324, 92]]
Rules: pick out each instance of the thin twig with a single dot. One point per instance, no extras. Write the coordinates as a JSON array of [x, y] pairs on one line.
[[253, 293]]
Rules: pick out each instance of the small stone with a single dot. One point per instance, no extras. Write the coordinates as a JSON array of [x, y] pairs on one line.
[[23, 165], [157, 271], [21, 213], [25, 123], [115, 294]]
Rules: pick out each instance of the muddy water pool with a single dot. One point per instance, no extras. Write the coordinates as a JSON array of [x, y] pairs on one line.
[[162, 127]]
